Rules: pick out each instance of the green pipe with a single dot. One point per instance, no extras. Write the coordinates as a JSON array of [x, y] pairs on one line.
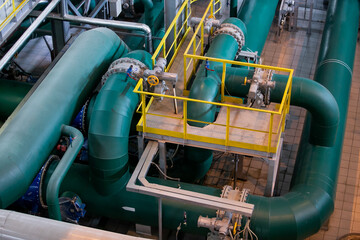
[[258, 16], [305, 93], [109, 129], [135, 207], [303, 211], [206, 87], [53, 187], [11, 94], [26, 142], [233, 8]]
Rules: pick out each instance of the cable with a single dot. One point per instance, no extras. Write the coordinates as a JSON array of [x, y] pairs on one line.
[[166, 176], [177, 231]]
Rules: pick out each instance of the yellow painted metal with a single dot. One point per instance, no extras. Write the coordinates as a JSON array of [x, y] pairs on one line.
[[223, 83], [15, 10], [186, 136], [175, 46]]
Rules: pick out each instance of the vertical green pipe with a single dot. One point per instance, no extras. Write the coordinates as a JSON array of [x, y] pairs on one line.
[[233, 8], [109, 129], [26, 142], [53, 187], [302, 211]]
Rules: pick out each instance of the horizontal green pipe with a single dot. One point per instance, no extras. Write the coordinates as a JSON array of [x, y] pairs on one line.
[[53, 187], [26, 142], [135, 207], [305, 93], [11, 94], [109, 129], [310, 202]]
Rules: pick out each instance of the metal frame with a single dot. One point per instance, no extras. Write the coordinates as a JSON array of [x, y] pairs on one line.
[[178, 194]]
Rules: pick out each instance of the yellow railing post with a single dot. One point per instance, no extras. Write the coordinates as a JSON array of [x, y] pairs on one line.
[[13, 5], [270, 131], [185, 118], [143, 105], [185, 73], [223, 83], [202, 39], [227, 126], [175, 37], [164, 49]]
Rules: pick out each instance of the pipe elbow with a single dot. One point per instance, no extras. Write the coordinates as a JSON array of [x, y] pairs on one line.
[[148, 4]]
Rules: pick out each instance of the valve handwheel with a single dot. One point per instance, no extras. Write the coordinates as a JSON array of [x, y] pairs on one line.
[[152, 80]]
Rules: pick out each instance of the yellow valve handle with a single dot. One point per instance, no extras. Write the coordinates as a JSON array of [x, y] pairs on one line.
[[153, 80], [234, 230]]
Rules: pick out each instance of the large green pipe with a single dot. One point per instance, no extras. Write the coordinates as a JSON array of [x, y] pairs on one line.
[[302, 211], [135, 207], [257, 16], [109, 129], [26, 142], [206, 87], [11, 94], [305, 93]]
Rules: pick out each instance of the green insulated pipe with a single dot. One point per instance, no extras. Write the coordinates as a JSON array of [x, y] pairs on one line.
[[302, 211], [26, 142], [53, 187], [257, 16], [11, 94], [109, 129], [206, 87], [305, 93]]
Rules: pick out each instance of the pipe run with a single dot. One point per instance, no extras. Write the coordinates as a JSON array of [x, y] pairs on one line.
[[28, 139], [53, 187], [305, 93]]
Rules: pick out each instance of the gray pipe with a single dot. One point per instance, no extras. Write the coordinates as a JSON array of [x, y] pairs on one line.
[[27, 33], [22, 226]]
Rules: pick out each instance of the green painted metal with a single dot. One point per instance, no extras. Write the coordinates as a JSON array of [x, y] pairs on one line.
[[109, 129], [11, 94], [302, 211], [135, 207], [26, 142], [305, 93], [53, 187], [206, 87], [233, 8], [257, 16]]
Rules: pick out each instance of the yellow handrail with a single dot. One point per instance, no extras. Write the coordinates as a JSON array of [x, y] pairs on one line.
[[183, 30], [13, 13]]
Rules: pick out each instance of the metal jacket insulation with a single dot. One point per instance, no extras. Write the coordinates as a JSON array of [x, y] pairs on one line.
[[109, 129], [26, 142]]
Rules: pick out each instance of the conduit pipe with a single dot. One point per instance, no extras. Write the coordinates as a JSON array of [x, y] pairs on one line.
[[20, 226], [53, 187], [109, 129], [11, 94], [310, 202], [26, 142], [305, 93]]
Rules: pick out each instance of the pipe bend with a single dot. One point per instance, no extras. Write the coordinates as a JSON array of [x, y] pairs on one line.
[[148, 3], [319, 101]]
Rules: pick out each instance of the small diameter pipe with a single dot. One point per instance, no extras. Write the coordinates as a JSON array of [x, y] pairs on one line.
[[115, 24], [52, 190], [27, 33]]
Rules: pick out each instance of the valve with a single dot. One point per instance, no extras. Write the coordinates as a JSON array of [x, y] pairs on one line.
[[153, 80]]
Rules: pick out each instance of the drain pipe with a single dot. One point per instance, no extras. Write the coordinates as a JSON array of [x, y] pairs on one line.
[[53, 187], [28, 139]]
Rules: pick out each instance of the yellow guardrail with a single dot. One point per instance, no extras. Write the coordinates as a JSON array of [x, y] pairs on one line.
[[226, 141], [15, 10], [178, 34]]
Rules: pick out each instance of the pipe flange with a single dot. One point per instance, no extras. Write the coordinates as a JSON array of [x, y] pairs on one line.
[[122, 65], [234, 31]]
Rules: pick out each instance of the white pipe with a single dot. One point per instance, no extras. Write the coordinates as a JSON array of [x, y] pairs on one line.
[[19, 226]]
